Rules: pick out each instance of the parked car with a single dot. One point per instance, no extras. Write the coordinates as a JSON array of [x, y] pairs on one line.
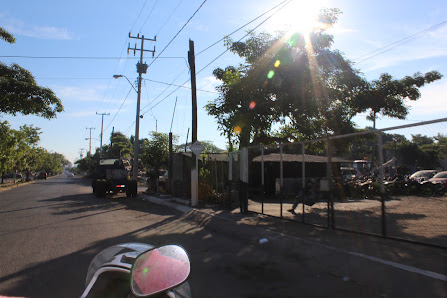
[[41, 175], [440, 177], [423, 175]]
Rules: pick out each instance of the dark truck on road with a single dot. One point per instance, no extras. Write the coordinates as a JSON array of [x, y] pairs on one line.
[[112, 176]]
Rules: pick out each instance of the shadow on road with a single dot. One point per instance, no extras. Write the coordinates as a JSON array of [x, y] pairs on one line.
[[227, 259]]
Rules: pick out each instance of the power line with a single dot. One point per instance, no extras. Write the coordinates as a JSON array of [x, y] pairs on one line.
[[136, 20], [407, 39], [85, 58], [163, 92], [240, 28], [178, 33], [167, 20], [180, 86], [119, 108], [284, 3], [150, 13], [249, 32]]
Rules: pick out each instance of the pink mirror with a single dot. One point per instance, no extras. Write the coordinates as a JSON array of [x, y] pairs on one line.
[[159, 270]]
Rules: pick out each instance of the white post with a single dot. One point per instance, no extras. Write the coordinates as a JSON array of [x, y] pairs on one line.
[[244, 165], [230, 166], [195, 183]]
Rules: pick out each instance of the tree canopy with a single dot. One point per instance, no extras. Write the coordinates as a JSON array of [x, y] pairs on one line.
[[19, 151], [299, 85], [20, 94], [386, 96]]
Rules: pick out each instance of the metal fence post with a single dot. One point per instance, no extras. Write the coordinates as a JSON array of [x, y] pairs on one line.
[[382, 186], [262, 180], [330, 202], [244, 180], [281, 174], [303, 172]]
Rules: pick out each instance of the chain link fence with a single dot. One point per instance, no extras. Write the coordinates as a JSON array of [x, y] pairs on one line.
[[388, 182]]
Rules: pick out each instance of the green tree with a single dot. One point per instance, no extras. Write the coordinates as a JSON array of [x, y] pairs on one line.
[[295, 81], [421, 140], [7, 145], [155, 152], [6, 36], [209, 147], [120, 146], [20, 94], [387, 96]]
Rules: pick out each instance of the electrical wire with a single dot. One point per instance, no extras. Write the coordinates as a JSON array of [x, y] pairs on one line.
[[150, 13], [118, 109], [175, 36], [248, 33], [167, 20], [136, 20], [212, 45], [284, 3], [395, 44], [180, 86], [85, 58], [163, 91]]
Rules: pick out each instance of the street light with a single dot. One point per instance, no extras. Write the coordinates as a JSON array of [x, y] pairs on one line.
[[123, 76]]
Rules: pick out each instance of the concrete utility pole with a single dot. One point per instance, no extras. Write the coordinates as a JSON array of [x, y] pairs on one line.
[[90, 144], [102, 125], [195, 147], [141, 68], [192, 66]]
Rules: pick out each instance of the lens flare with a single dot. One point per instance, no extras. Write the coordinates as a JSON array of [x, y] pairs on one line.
[[270, 74], [237, 130], [145, 270], [277, 63], [252, 105]]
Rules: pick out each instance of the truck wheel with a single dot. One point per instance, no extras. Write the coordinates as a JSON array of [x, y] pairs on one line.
[[100, 190], [131, 189]]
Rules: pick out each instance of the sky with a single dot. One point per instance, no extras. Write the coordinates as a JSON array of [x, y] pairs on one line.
[[75, 48]]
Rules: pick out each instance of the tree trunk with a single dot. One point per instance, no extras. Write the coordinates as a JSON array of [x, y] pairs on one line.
[[244, 137]]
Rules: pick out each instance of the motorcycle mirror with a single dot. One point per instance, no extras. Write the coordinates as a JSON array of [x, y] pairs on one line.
[[159, 270]]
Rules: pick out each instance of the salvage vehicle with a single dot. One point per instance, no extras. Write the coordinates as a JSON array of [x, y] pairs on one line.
[[112, 175]]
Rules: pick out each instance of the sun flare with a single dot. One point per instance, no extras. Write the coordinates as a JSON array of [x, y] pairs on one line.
[[299, 16]]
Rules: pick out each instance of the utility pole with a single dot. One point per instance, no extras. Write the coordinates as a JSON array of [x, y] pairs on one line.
[[102, 125], [111, 139], [141, 68], [90, 145], [196, 147], [192, 66]]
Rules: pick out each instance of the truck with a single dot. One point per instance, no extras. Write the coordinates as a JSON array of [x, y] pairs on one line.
[[112, 175]]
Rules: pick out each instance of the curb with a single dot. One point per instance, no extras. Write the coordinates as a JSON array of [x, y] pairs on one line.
[[166, 203], [9, 187]]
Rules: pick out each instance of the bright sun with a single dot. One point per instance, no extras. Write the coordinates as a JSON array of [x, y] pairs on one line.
[[298, 16]]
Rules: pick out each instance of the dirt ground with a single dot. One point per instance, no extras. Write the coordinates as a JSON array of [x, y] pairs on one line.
[[417, 218]]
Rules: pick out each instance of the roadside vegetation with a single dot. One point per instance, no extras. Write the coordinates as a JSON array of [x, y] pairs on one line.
[[20, 94]]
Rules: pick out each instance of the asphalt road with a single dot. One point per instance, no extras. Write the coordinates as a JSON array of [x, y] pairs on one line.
[[51, 229]]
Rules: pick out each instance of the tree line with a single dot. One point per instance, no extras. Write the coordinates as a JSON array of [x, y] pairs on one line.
[[19, 152], [20, 94], [153, 153]]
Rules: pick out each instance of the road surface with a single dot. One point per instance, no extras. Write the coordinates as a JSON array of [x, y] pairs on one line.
[[51, 229]]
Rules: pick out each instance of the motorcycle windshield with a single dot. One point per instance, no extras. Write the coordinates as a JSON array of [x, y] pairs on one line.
[[108, 254]]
